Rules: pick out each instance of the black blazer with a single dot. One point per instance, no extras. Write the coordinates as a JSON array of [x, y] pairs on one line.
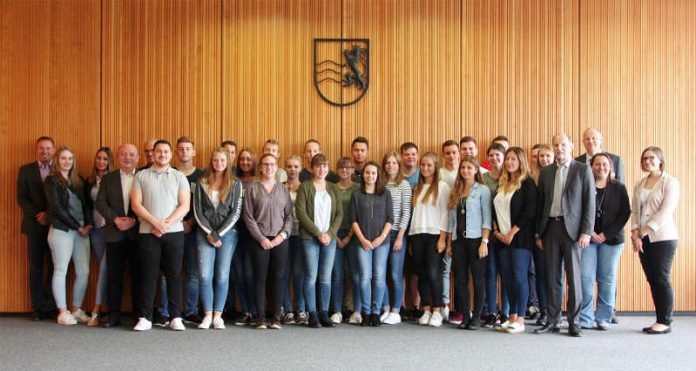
[[109, 204], [522, 212], [616, 209], [57, 197], [617, 164], [578, 199], [31, 198]]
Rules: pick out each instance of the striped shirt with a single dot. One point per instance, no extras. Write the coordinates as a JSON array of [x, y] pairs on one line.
[[401, 204]]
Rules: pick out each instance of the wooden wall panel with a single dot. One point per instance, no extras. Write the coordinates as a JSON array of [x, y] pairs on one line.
[[637, 87], [94, 73], [519, 67], [415, 82], [267, 74], [49, 85], [162, 68]]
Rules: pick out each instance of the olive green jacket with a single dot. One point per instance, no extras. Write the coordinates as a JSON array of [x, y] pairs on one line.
[[304, 208]]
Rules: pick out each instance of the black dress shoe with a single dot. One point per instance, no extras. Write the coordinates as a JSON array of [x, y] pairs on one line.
[[646, 329], [36, 316], [112, 323], [574, 331], [655, 332], [548, 328]]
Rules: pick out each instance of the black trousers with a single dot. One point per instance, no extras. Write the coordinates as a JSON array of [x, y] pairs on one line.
[[269, 265], [464, 258], [560, 250], [656, 259], [118, 255], [168, 250], [429, 265], [40, 284]]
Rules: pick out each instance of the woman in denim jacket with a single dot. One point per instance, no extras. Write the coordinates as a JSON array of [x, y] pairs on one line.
[[469, 221]]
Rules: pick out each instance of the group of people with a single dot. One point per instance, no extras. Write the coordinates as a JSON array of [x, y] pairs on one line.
[[371, 243]]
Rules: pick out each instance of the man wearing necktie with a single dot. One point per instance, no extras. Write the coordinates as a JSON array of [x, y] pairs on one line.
[[567, 203]]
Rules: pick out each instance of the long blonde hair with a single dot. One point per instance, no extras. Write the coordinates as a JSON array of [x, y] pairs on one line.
[[433, 191], [506, 183], [228, 178], [460, 183], [74, 180]]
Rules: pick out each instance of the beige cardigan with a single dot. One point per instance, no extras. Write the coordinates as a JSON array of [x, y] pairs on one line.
[[662, 202]]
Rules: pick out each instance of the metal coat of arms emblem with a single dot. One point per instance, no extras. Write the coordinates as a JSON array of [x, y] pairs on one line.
[[341, 69]]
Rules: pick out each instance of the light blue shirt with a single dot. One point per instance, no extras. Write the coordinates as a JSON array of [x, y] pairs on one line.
[[478, 212]]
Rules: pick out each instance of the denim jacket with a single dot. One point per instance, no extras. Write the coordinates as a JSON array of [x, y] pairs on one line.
[[478, 212]]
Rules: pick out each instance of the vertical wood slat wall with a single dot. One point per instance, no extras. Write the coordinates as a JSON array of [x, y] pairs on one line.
[[94, 73]]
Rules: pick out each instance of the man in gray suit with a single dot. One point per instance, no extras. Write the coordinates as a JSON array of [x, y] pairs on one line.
[[567, 204]]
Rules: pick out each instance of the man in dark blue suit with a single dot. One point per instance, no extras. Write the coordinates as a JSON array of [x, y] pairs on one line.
[[121, 230], [566, 203], [32, 200]]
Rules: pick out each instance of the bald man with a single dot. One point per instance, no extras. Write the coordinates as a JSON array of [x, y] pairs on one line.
[[149, 152], [566, 202], [121, 231], [592, 140]]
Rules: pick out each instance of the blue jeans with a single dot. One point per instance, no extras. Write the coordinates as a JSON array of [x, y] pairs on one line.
[[64, 246], [600, 262], [492, 270], [192, 275], [540, 279], [296, 271], [373, 266], [319, 261], [98, 244], [396, 272], [338, 273], [446, 274], [214, 267], [514, 266]]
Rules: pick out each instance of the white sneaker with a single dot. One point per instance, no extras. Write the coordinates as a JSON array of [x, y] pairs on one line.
[[177, 324], [206, 322], [435, 320], [445, 312], [80, 316], [515, 328], [355, 318], [384, 316], [218, 323], [394, 318], [424, 319], [66, 319], [142, 325], [337, 318], [503, 326]]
